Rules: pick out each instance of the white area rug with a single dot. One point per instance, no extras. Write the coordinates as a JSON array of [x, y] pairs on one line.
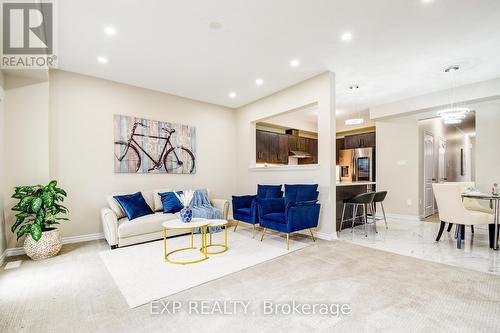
[[142, 275]]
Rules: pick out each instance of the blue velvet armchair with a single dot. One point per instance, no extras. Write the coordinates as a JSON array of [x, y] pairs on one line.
[[298, 210], [245, 207]]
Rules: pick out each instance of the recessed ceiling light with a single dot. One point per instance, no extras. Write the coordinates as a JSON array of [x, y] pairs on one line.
[[346, 36], [294, 62], [109, 30], [232, 94], [354, 121], [102, 60], [427, 1], [259, 82]]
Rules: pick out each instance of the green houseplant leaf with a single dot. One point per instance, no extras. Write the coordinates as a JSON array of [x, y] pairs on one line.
[[39, 209], [36, 231]]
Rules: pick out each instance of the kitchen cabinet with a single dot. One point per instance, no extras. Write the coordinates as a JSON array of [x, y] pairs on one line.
[[338, 146], [263, 146], [271, 147], [364, 140]]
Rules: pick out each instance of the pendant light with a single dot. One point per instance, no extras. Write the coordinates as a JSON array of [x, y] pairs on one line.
[[359, 120], [453, 114]]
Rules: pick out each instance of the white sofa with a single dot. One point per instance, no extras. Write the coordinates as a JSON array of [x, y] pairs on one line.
[[119, 231]]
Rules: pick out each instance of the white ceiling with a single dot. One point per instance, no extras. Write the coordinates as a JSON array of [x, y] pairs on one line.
[[399, 47]]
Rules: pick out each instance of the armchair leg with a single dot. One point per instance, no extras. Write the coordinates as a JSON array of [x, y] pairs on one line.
[[253, 231], [288, 242], [236, 225], [263, 233], [312, 235]]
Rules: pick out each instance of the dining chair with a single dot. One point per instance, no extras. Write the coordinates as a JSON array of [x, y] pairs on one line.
[[452, 210]]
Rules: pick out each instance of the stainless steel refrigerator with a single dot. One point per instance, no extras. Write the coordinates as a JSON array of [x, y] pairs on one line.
[[357, 164]]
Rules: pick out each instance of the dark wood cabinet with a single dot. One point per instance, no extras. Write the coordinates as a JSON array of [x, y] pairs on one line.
[[339, 144], [364, 140], [274, 147], [282, 149], [271, 147], [263, 145]]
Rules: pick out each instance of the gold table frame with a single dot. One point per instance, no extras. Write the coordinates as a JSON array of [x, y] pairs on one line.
[[210, 244], [203, 248]]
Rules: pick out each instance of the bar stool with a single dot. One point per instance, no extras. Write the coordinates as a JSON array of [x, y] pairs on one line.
[[363, 199], [379, 197]]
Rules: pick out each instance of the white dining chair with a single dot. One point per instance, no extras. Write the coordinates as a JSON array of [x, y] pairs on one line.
[[451, 209]]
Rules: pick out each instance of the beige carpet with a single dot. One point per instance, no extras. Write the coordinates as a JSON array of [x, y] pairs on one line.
[[387, 293]]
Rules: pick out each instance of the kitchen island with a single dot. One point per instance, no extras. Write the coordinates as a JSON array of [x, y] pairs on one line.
[[347, 190]]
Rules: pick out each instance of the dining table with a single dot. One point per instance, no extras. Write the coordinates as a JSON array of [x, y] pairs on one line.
[[494, 199]]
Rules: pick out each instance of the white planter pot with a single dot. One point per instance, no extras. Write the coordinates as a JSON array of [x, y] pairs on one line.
[[47, 246]]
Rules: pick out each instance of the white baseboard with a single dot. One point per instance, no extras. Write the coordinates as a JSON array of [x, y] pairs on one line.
[[16, 251], [2, 257], [326, 236]]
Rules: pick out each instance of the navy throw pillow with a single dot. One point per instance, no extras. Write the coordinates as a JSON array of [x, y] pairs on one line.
[[170, 202], [133, 205]]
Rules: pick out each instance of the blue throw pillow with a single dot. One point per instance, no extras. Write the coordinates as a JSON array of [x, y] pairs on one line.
[[133, 205], [170, 202]]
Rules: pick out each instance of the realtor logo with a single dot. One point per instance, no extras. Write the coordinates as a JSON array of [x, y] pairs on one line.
[[28, 35]]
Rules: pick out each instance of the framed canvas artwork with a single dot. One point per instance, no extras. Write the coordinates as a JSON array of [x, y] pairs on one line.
[[153, 146]]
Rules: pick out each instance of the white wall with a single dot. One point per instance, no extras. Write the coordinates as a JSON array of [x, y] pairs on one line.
[[81, 143], [487, 148], [321, 90], [26, 138], [3, 240], [399, 151]]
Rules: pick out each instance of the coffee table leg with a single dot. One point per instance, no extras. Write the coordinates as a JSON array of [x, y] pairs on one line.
[[192, 238], [164, 243], [204, 236], [225, 235]]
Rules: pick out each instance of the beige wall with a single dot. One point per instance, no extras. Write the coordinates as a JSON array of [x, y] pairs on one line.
[[81, 143], [397, 164], [26, 138], [321, 90], [487, 148]]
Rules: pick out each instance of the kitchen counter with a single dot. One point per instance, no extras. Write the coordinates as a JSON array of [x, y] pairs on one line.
[[355, 183]]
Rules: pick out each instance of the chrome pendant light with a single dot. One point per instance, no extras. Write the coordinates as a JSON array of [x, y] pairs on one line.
[[453, 114], [359, 120]]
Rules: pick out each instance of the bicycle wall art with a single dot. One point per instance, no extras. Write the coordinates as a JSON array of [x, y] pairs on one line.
[[151, 146]]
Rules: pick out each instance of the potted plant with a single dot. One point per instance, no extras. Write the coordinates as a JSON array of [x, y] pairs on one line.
[[38, 213]]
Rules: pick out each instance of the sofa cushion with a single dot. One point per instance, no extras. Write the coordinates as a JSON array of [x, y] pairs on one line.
[[134, 205], [244, 211], [157, 204], [171, 203], [143, 225], [276, 217]]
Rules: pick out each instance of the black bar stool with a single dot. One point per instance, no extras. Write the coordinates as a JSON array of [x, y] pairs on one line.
[[363, 199], [379, 197]]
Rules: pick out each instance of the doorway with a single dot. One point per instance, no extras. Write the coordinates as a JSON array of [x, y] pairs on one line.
[[428, 174]]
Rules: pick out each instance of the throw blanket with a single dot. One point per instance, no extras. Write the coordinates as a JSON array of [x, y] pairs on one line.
[[201, 207]]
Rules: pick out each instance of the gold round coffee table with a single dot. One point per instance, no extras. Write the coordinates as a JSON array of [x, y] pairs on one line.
[[212, 224], [179, 225]]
